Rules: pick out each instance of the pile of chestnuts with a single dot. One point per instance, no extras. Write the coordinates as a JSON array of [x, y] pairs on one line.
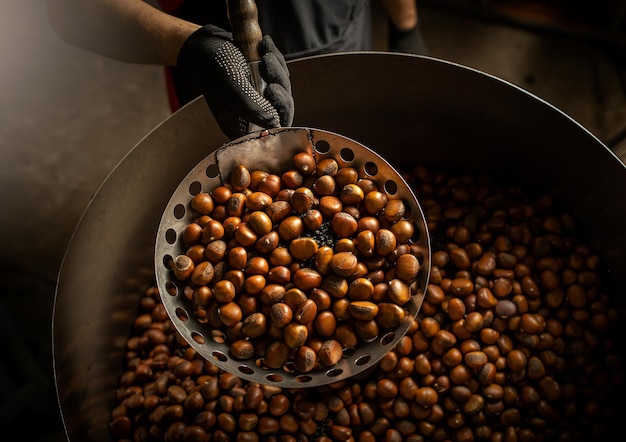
[[295, 269], [517, 339]]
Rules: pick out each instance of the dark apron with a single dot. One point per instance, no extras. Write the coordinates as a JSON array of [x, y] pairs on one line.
[[299, 28]]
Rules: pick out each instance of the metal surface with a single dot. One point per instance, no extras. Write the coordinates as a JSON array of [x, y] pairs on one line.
[[273, 151], [406, 108]]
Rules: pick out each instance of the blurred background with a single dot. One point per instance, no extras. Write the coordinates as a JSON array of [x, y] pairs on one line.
[[67, 117]]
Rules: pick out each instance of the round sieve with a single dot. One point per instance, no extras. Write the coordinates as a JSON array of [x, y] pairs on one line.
[[273, 151]]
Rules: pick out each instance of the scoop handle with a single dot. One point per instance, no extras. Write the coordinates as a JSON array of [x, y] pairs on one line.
[[244, 21]]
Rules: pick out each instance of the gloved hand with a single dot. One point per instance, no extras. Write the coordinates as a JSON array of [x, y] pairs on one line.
[[211, 59]]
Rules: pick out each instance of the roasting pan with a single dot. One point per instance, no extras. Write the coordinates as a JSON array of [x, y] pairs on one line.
[[407, 108]]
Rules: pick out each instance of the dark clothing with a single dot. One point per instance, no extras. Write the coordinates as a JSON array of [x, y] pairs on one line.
[[304, 28], [299, 28]]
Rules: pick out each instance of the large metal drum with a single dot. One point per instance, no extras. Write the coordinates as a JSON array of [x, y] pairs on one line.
[[407, 108]]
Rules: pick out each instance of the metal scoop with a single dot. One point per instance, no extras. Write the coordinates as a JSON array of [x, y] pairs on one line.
[[273, 151]]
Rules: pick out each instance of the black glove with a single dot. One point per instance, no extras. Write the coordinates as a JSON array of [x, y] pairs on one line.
[[211, 59], [409, 41]]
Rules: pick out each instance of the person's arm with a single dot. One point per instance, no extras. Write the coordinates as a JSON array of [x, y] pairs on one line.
[[127, 30], [402, 13], [136, 32], [403, 27]]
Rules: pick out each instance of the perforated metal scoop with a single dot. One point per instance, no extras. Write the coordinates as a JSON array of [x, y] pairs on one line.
[[273, 151]]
